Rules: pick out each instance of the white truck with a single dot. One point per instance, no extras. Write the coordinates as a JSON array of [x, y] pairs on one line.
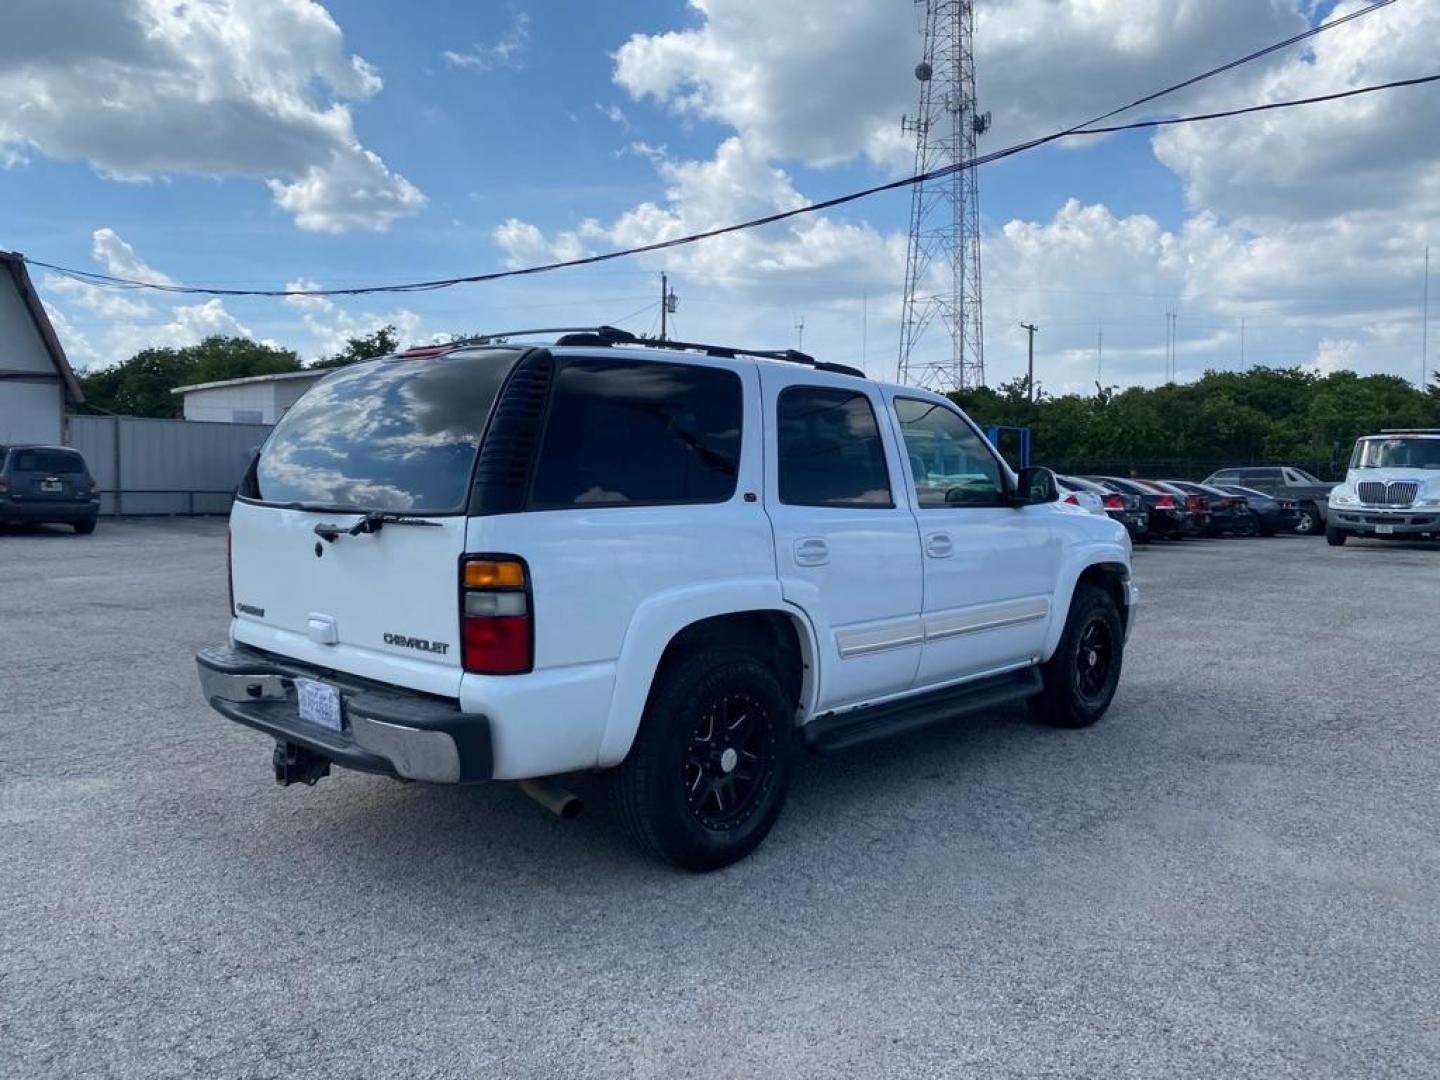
[[1392, 488], [677, 563]]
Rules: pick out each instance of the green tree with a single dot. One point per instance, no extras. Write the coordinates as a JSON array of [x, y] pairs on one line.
[[141, 385], [381, 342]]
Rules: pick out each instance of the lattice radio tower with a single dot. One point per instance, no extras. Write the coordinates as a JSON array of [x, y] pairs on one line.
[[945, 213]]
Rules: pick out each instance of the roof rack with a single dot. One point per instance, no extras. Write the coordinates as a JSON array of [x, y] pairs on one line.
[[606, 336]]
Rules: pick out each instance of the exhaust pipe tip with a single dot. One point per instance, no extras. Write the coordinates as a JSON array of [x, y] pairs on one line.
[[560, 801]]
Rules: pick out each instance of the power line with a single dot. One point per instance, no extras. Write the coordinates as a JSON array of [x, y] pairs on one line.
[[1085, 128]]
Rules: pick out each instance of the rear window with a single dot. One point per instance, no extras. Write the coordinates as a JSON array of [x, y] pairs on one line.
[[46, 461], [639, 433], [391, 434]]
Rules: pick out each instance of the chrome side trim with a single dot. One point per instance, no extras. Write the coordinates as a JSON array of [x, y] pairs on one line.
[[972, 621], [873, 639]]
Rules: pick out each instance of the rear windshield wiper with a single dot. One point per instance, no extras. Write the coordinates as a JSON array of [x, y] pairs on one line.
[[372, 522]]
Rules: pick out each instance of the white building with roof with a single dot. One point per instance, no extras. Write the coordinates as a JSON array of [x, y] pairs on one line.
[[36, 383], [258, 399]]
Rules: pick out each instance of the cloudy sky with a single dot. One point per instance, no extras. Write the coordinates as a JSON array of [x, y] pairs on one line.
[[268, 142]]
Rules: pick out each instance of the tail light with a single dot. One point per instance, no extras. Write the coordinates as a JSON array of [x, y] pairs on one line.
[[94, 487], [496, 633], [1072, 500], [4, 485], [1165, 502], [1114, 502], [229, 574], [1196, 504]]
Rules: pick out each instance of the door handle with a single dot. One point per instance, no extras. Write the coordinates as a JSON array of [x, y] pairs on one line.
[[812, 551], [939, 546]]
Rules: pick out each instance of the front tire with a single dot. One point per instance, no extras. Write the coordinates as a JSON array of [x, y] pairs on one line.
[[1335, 537], [710, 767], [1080, 679]]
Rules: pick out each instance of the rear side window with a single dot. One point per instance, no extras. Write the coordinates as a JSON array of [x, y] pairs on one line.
[[47, 461], [391, 434], [829, 450], [639, 433]]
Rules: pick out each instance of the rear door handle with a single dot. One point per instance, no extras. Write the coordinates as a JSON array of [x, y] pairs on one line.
[[812, 551], [939, 546]]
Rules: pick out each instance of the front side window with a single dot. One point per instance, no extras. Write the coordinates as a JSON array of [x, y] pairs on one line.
[[639, 433], [951, 465], [829, 449]]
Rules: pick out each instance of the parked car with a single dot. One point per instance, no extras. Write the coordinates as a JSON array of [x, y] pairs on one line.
[[501, 561], [1273, 515], [1166, 513], [1197, 507], [1228, 513], [1392, 488], [1284, 482], [1125, 508], [1087, 500], [47, 485]]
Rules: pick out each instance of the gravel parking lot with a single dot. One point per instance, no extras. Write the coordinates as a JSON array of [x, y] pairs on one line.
[[1233, 875]]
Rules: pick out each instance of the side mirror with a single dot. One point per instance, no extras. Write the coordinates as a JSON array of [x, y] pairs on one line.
[[1036, 485]]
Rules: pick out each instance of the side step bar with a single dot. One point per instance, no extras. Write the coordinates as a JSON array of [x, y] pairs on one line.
[[834, 732]]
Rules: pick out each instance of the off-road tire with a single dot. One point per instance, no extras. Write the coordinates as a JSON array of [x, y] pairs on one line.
[[654, 786], [1093, 634]]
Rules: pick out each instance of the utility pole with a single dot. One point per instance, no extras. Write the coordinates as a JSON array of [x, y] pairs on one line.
[[800, 334], [1242, 344], [1032, 330], [865, 328], [668, 303], [1425, 325], [945, 212], [1100, 352]]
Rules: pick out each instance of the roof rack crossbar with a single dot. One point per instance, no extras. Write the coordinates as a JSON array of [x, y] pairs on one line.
[[610, 335]]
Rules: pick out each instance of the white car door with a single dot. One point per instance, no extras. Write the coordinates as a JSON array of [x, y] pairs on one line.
[[990, 567], [847, 550]]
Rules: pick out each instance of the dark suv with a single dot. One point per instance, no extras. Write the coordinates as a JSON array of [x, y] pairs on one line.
[[47, 484]]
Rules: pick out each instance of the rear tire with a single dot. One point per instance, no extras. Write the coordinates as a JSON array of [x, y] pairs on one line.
[[1335, 537], [85, 528], [1309, 523], [1080, 679], [708, 772]]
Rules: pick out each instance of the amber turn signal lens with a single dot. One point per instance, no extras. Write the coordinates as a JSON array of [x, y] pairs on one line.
[[483, 574]]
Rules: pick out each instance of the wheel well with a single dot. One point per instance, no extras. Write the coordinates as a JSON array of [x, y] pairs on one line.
[[1111, 577], [771, 635]]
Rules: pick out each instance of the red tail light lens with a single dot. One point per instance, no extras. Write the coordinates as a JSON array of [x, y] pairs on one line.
[[1114, 502], [496, 633], [1165, 502], [4, 485], [1195, 503], [1072, 500]]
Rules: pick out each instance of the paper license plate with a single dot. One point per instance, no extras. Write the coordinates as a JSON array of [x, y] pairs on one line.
[[319, 703], [1385, 530], [51, 485]]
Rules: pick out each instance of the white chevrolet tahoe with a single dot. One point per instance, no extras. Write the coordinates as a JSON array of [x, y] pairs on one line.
[[681, 563], [1392, 488]]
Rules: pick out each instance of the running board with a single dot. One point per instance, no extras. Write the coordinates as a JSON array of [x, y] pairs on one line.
[[834, 732]]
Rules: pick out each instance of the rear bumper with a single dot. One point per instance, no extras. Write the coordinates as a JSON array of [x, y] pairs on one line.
[[386, 730], [42, 510], [1401, 523]]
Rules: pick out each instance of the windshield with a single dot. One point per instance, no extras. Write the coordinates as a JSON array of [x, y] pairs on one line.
[[1398, 453], [391, 434]]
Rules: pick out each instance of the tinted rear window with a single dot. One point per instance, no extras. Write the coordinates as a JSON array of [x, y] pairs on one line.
[[624, 433], [386, 435], [46, 461]]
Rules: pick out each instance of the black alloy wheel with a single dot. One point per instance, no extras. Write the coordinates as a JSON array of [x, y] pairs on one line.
[[708, 772], [729, 760], [1094, 653]]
